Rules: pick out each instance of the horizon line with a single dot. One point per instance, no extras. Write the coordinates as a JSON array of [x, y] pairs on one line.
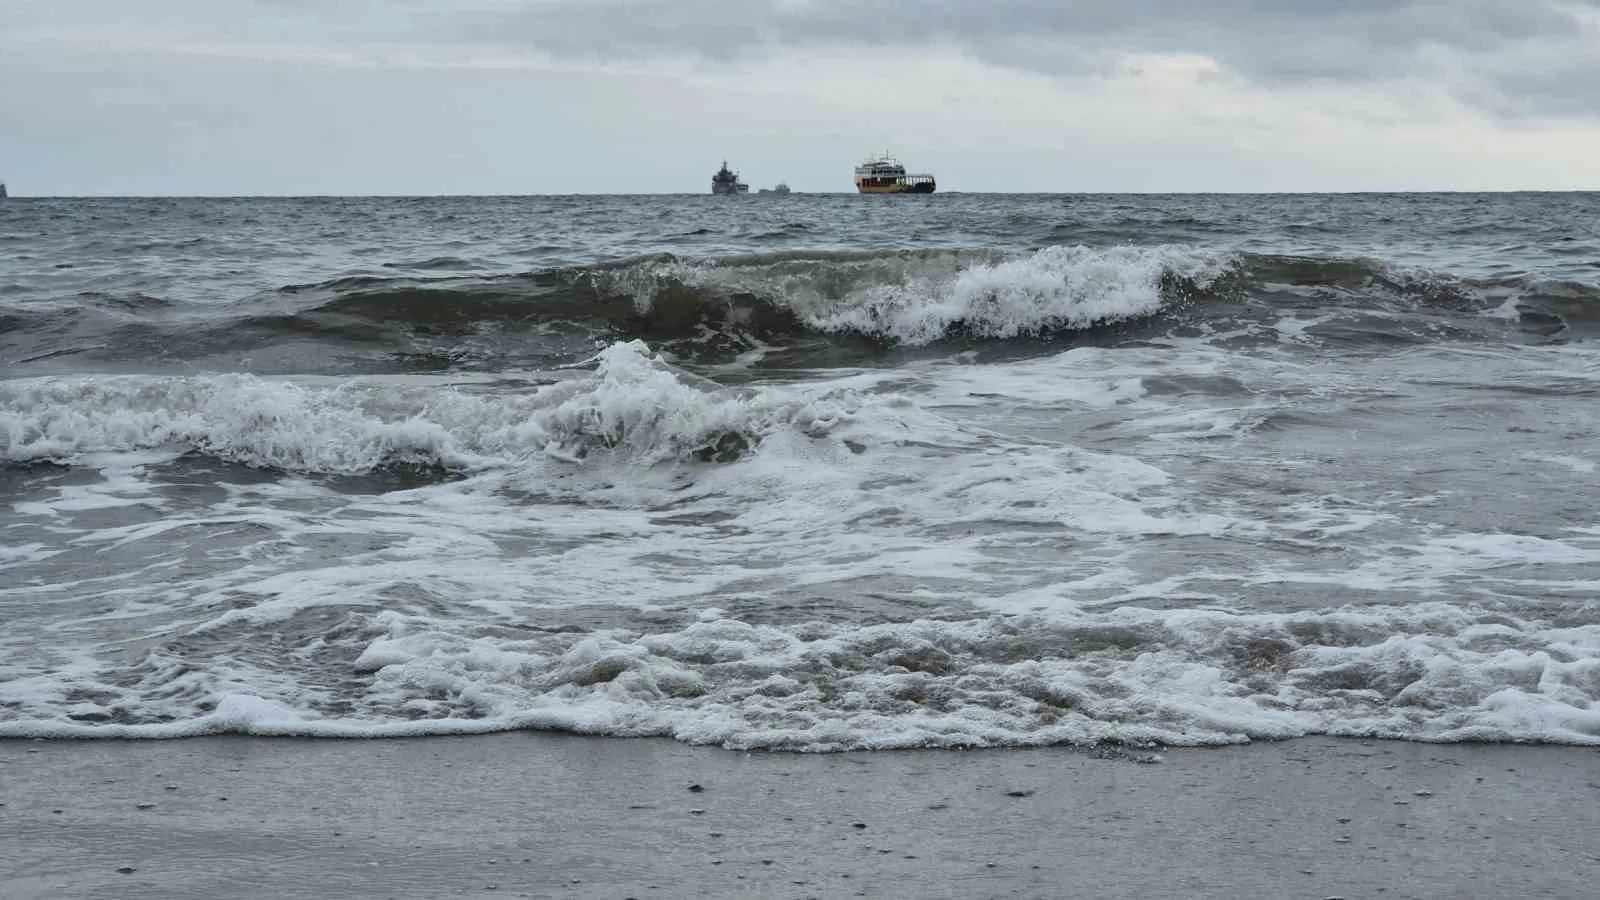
[[839, 193]]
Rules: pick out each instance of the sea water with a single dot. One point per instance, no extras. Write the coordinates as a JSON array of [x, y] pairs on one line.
[[805, 472]]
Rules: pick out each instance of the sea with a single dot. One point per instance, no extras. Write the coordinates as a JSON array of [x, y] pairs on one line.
[[815, 472]]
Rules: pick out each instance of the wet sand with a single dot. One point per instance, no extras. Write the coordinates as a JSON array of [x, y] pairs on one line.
[[536, 815]]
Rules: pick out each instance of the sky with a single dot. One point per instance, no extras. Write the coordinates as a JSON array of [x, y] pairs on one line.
[[207, 97]]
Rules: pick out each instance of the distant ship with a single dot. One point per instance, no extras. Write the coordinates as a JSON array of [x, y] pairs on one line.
[[885, 175], [780, 189], [2, 190], [726, 181]]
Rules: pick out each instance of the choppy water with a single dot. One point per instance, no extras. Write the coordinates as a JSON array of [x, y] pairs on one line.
[[804, 472]]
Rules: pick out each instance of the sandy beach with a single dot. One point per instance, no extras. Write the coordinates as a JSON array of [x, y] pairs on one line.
[[537, 815]]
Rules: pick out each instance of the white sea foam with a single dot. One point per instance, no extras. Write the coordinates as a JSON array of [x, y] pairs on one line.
[[632, 405], [921, 557], [1434, 672], [1055, 288], [919, 299], [1080, 379]]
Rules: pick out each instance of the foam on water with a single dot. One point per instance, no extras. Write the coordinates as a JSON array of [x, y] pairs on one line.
[[1055, 288], [1134, 676], [919, 299], [1092, 546], [632, 405]]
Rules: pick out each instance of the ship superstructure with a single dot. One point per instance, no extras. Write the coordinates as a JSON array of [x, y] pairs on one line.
[[726, 181]]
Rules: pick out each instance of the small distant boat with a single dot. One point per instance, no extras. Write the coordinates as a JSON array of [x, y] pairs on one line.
[[780, 189], [726, 181], [886, 175], [3, 194]]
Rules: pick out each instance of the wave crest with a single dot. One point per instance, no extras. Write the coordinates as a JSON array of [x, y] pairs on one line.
[[716, 309], [919, 298], [632, 405], [906, 297]]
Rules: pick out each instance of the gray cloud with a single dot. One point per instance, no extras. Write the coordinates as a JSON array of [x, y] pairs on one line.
[[1508, 57]]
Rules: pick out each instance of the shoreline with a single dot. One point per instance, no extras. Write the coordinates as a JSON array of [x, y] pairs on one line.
[[528, 814]]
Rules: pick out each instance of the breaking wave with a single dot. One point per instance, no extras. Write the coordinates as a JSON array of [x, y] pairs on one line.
[[710, 308], [919, 297], [1134, 677], [908, 297], [631, 405]]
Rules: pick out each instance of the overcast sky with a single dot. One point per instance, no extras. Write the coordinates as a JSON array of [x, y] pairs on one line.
[[582, 96]]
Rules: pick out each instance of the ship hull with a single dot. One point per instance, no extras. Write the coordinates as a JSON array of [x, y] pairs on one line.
[[924, 187]]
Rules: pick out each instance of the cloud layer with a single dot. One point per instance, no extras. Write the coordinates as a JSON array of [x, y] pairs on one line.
[[1508, 57]]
